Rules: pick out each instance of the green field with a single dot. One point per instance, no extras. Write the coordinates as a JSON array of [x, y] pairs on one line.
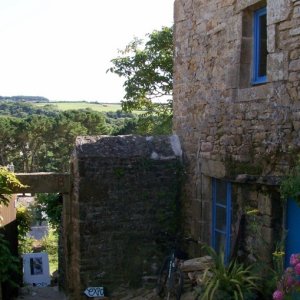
[[102, 107]]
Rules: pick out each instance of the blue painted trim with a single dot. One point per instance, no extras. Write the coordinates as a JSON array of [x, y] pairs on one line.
[[227, 232], [228, 223], [256, 79], [213, 223]]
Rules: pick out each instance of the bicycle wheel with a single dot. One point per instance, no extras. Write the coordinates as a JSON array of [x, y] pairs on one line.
[[176, 286]]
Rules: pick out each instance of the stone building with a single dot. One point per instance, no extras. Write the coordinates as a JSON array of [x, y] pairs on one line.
[[237, 114]]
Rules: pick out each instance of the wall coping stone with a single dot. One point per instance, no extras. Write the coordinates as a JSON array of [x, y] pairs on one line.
[[125, 146]]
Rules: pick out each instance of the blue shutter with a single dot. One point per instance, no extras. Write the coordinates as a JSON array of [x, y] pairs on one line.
[[259, 73]]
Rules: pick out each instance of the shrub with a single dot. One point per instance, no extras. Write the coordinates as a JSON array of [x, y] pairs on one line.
[[50, 245], [232, 281], [9, 264]]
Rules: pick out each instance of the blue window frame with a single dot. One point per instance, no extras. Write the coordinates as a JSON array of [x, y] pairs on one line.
[[221, 217], [259, 72]]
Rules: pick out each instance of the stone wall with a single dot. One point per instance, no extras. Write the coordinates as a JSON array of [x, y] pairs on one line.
[[226, 126], [123, 194]]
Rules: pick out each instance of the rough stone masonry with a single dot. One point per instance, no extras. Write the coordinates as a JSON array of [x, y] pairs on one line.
[[123, 196], [228, 127]]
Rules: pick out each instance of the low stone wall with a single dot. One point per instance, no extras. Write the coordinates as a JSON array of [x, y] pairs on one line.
[[123, 194]]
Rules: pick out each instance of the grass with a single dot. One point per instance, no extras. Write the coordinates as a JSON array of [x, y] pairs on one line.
[[101, 107]]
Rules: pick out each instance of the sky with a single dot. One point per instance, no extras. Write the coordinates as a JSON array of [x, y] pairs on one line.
[[61, 49]]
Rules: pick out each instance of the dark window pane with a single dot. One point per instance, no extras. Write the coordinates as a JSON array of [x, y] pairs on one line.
[[221, 218], [221, 192], [262, 71], [220, 242]]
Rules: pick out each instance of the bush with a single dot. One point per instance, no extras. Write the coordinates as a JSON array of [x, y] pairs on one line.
[[222, 282], [9, 264], [50, 245]]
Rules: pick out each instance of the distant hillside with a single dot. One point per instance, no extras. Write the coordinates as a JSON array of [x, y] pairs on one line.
[[36, 99], [69, 105]]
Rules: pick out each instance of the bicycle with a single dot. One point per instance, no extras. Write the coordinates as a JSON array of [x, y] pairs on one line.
[[170, 278]]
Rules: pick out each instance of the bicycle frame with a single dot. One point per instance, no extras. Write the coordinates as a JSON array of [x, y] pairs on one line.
[[170, 279]]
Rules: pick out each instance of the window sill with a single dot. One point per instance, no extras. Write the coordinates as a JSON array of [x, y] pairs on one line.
[[256, 92], [260, 80]]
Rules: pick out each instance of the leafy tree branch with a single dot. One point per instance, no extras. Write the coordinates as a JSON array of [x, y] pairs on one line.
[[147, 69]]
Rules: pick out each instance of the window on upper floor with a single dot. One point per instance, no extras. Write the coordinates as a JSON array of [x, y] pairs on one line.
[[221, 217], [259, 61], [253, 60]]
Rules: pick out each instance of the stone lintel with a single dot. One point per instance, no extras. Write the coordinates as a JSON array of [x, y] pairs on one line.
[[264, 180], [44, 182]]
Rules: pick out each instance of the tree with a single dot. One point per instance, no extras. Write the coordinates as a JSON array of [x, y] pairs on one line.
[[148, 72], [93, 121], [67, 126], [51, 205], [39, 143], [31, 135], [7, 145]]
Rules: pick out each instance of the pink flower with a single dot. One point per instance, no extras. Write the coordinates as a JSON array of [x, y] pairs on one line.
[[278, 295], [289, 270], [290, 281], [294, 259], [297, 268]]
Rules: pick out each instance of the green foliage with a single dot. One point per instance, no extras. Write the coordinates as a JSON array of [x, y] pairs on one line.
[[42, 139], [50, 245], [25, 245], [127, 126], [154, 123], [24, 220], [23, 109], [147, 69], [232, 281], [290, 185], [39, 143], [51, 204], [148, 72], [8, 181], [9, 264]]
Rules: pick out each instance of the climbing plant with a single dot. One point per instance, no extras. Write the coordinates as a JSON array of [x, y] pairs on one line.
[[24, 220], [9, 264], [290, 185], [8, 181]]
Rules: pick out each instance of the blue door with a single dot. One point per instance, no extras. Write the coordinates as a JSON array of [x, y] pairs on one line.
[[293, 225]]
